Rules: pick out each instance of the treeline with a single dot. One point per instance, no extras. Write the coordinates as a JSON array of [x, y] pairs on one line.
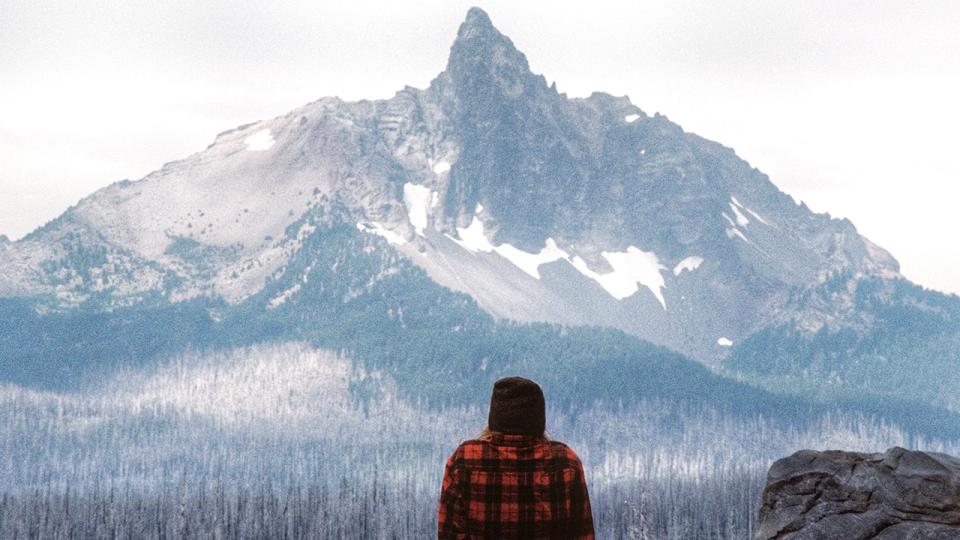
[[710, 508], [204, 511]]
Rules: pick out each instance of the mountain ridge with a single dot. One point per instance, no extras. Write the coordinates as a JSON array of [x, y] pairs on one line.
[[580, 211]]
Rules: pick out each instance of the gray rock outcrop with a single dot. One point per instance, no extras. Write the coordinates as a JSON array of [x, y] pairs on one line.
[[899, 494]]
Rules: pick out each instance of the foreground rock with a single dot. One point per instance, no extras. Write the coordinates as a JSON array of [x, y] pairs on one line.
[[898, 494]]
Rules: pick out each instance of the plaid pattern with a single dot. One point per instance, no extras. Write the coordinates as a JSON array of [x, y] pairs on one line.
[[513, 486]]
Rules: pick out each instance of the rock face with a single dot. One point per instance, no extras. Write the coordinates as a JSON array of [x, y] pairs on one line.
[[835, 494]]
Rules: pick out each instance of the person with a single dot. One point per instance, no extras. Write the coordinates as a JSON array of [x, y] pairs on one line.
[[512, 481]]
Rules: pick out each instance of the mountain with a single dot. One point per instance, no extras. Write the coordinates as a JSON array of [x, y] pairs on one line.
[[887, 338], [537, 207], [349, 292]]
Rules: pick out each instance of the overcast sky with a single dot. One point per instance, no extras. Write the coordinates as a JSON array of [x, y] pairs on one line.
[[850, 106]]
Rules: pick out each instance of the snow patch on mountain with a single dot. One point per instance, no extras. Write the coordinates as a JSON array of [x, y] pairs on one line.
[[724, 342], [690, 263], [441, 167], [418, 201], [631, 268], [530, 262], [733, 231], [630, 118], [741, 219], [757, 216], [259, 141], [373, 227], [472, 238]]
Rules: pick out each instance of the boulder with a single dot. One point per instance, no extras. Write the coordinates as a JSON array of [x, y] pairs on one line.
[[898, 494]]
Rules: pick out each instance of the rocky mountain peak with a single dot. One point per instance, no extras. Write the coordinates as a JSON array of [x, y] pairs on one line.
[[484, 63], [594, 211], [476, 23]]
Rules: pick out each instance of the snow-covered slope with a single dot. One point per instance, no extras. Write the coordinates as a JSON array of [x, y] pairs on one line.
[[543, 208]]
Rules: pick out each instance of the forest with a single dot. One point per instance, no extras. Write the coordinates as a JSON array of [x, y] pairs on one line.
[[289, 440]]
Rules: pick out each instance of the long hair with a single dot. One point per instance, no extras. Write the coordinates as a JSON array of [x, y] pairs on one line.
[[487, 433]]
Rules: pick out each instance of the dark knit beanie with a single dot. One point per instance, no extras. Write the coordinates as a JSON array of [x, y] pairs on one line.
[[517, 408]]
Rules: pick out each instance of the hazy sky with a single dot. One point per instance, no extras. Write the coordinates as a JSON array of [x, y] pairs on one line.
[[850, 106]]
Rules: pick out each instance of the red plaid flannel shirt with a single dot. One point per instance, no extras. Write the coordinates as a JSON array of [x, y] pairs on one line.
[[513, 486]]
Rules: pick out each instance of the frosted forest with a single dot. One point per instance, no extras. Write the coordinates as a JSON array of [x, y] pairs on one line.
[[287, 440]]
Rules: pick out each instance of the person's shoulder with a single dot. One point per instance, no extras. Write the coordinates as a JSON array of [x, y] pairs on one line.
[[470, 443], [565, 452], [469, 449]]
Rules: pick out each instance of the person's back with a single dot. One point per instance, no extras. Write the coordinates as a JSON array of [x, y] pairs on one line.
[[512, 482]]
